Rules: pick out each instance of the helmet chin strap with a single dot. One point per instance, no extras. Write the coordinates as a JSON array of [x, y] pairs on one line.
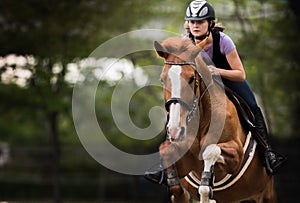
[[202, 37]]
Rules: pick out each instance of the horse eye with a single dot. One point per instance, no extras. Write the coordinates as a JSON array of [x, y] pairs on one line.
[[191, 79]]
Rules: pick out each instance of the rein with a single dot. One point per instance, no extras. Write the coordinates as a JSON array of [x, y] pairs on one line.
[[191, 108]]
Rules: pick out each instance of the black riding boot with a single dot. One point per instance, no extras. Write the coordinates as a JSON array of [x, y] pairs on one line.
[[272, 159]]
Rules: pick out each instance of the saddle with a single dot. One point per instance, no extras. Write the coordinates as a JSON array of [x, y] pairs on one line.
[[246, 116]]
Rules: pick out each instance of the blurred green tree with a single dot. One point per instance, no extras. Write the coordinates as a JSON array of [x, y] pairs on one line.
[[53, 34], [272, 64]]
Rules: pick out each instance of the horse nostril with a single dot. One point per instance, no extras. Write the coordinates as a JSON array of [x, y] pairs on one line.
[[169, 137]]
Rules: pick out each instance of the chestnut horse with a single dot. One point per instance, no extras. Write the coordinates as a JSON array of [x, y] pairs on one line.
[[208, 155]]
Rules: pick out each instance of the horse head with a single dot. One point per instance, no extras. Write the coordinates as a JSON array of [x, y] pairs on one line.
[[180, 79]]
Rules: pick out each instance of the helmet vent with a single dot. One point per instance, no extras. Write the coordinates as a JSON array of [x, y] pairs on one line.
[[204, 11]]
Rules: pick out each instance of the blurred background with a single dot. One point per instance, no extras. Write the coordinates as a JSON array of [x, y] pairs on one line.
[[43, 45]]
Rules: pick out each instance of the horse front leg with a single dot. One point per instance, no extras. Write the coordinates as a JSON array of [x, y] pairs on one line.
[[210, 155], [177, 192]]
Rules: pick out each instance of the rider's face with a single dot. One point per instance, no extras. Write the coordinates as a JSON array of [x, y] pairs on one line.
[[198, 27]]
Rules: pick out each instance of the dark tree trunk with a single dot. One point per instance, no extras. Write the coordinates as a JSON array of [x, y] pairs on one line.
[[54, 136]]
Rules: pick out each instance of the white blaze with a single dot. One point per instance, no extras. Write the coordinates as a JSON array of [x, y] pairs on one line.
[[174, 119]]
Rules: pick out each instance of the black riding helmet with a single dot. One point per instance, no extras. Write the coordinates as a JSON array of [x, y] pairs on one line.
[[201, 10]]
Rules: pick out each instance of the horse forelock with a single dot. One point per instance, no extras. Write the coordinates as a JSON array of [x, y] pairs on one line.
[[179, 47]]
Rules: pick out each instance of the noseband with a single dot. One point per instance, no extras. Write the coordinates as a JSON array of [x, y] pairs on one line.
[[196, 102]]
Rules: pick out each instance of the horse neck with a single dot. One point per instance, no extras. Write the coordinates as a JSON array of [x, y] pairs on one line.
[[204, 106], [213, 110], [207, 85]]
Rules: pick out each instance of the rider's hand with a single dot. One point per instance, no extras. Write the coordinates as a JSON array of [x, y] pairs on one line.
[[213, 70]]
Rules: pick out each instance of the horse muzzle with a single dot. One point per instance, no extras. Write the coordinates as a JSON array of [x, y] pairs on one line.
[[176, 128], [176, 134]]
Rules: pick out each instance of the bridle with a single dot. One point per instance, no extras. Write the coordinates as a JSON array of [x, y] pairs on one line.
[[196, 101]]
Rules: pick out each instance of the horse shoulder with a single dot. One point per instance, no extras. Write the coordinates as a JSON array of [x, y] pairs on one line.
[[232, 140], [232, 153]]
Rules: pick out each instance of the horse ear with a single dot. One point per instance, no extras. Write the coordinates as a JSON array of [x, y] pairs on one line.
[[160, 50], [195, 52]]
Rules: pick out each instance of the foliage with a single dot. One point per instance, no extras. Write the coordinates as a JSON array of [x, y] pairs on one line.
[[55, 34], [271, 65]]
